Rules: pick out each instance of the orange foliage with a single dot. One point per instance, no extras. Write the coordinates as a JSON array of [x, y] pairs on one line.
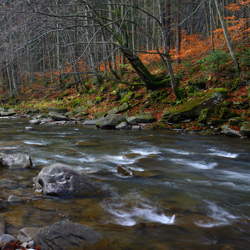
[[151, 57]]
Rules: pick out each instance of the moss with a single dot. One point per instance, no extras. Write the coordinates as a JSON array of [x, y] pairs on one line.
[[98, 99], [192, 107], [127, 97]]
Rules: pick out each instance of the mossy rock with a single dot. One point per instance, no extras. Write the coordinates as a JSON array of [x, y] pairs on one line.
[[235, 121], [245, 129], [122, 108], [145, 118], [80, 109], [226, 113], [127, 97], [192, 108], [204, 115], [76, 102]]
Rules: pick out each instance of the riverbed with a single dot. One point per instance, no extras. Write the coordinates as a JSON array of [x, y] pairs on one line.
[[188, 191]]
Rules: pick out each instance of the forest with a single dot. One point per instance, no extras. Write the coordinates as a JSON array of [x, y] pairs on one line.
[[158, 55]]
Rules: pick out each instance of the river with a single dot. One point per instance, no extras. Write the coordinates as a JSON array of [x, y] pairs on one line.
[[189, 191]]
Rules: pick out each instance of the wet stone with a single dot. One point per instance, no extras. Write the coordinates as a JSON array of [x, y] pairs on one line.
[[67, 235], [124, 171], [28, 233], [15, 199]]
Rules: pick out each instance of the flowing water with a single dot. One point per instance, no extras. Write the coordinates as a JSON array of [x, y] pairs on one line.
[[189, 191]]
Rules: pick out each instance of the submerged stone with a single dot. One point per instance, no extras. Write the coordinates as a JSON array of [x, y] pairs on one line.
[[15, 160], [66, 235]]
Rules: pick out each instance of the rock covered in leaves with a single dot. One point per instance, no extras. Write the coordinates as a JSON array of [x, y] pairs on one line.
[[63, 180], [66, 235], [15, 160]]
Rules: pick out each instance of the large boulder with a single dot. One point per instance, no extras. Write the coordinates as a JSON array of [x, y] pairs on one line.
[[63, 180], [65, 235], [15, 160], [110, 121], [192, 108]]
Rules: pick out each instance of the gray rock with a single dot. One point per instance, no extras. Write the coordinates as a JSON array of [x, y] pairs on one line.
[[66, 235], [124, 171], [141, 119], [6, 238], [110, 121], [226, 130], [14, 199], [15, 160], [35, 122], [136, 127], [8, 113], [123, 126], [2, 226], [60, 179], [89, 123], [28, 233], [58, 116]]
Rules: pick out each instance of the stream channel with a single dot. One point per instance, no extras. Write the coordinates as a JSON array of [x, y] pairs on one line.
[[188, 192]]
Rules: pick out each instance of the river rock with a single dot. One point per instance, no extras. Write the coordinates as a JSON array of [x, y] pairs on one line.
[[6, 238], [123, 126], [15, 160], [146, 118], [192, 108], [59, 179], [35, 122], [58, 116], [226, 130], [14, 199], [65, 235], [124, 171], [110, 121], [89, 123], [2, 226], [28, 234]]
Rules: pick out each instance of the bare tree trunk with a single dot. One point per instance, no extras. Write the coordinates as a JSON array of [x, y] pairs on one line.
[[227, 36]]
